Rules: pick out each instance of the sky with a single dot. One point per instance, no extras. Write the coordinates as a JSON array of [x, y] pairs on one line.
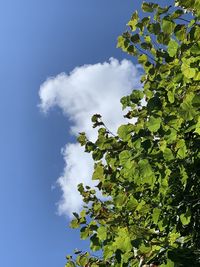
[[59, 65]]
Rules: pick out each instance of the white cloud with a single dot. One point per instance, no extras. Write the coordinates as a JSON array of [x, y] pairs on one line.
[[87, 90]]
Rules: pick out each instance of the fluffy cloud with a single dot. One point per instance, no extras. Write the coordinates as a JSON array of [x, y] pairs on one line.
[[87, 90]]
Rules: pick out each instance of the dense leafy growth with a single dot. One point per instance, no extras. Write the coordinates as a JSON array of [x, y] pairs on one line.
[[149, 174]]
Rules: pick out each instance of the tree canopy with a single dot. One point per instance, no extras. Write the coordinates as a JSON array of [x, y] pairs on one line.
[[149, 173]]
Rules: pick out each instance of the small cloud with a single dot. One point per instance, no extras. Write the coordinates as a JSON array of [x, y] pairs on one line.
[[87, 90]]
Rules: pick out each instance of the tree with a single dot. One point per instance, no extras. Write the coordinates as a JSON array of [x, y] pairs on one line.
[[149, 174]]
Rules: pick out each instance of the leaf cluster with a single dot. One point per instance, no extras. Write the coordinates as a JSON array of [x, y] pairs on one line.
[[149, 174]]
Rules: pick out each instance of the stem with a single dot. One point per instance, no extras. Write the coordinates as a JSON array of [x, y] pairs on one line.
[[108, 129], [183, 20]]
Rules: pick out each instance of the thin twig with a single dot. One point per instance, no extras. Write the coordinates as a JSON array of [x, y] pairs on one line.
[[108, 129], [183, 19], [145, 54]]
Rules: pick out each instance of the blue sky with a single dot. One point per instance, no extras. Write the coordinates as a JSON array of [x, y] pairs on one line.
[[40, 39]]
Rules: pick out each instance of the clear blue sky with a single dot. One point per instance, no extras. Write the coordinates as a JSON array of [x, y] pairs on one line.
[[41, 39]]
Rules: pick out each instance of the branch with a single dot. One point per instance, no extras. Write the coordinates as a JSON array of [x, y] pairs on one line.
[[141, 261], [145, 54], [183, 20]]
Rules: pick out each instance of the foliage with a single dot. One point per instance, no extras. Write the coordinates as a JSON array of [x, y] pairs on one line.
[[149, 174]]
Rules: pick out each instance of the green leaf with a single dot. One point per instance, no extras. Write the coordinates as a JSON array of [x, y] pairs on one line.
[[167, 154], [172, 48], [168, 26], [70, 264], [187, 70], [124, 156], [195, 49], [154, 28], [162, 10], [176, 14], [146, 173], [85, 232], [173, 236], [102, 233], [182, 150], [145, 249], [197, 129], [154, 124], [136, 96], [74, 224], [148, 7], [142, 59], [156, 214], [168, 264], [82, 260], [124, 131], [120, 200], [163, 38], [94, 243], [82, 139], [123, 241], [197, 76], [98, 172], [135, 38], [180, 32], [133, 21], [187, 110], [132, 203], [123, 43], [185, 217], [170, 95]]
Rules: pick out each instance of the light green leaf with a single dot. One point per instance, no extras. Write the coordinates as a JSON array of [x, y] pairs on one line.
[[82, 260], [182, 150], [168, 264], [197, 129], [82, 139], [156, 214], [173, 237], [102, 233], [180, 32], [168, 155], [124, 131], [98, 172], [168, 26], [85, 232], [170, 95], [146, 172], [154, 124], [133, 21], [144, 249], [124, 156], [172, 48], [188, 71], [185, 217], [74, 224], [70, 264], [120, 199], [187, 110], [197, 77], [142, 58], [123, 241]]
